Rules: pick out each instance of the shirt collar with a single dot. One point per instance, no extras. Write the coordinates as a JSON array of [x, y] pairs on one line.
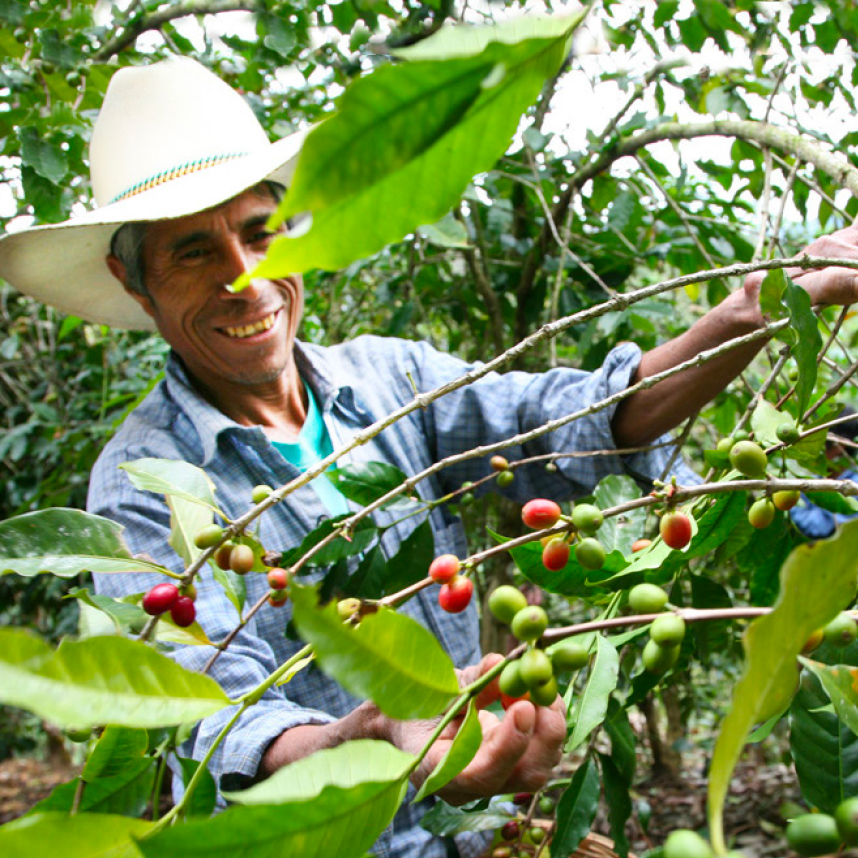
[[209, 422]]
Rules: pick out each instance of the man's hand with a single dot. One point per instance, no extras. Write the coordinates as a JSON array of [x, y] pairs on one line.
[[518, 752], [824, 285]]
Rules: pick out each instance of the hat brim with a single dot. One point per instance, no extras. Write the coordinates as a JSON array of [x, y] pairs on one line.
[[63, 264]]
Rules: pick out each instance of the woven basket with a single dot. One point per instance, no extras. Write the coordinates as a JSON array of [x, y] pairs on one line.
[[596, 846]]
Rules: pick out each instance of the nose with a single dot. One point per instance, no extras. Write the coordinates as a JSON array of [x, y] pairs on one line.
[[237, 260]]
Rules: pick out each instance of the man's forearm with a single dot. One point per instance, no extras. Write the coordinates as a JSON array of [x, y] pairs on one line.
[[365, 722], [645, 415]]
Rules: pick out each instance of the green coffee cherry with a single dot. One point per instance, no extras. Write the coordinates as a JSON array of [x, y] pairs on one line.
[[813, 834], [529, 623], [505, 602], [587, 518], [511, 682], [846, 817], [535, 667], [545, 694], [684, 843], [788, 432], [260, 493], [505, 478], [590, 554], [659, 659], [841, 631], [647, 599], [725, 445], [749, 459], [208, 536], [569, 655], [667, 630]]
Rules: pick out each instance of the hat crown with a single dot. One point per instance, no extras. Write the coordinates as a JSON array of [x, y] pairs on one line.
[[161, 121]]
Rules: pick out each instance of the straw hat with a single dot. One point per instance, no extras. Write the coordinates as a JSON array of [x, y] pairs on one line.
[[172, 139]]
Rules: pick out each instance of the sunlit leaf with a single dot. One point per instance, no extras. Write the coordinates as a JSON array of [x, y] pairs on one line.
[[590, 707], [173, 477], [389, 658]]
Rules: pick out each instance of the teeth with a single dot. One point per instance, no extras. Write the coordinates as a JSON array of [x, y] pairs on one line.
[[243, 331]]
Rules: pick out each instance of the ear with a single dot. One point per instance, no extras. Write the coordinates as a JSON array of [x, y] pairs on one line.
[[117, 269]]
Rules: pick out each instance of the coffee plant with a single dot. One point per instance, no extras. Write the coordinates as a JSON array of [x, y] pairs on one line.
[[565, 234]]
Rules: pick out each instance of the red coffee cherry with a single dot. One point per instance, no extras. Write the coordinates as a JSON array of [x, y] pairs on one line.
[[277, 578], [555, 555], [675, 529], [455, 596], [278, 598], [222, 555], [511, 830], [160, 599], [786, 499], [443, 569], [540, 513], [498, 463], [184, 612], [640, 544]]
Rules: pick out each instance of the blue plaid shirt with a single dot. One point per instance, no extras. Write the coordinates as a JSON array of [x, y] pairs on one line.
[[355, 383]]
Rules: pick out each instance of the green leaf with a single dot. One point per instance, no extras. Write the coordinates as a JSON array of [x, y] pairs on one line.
[[824, 749], [366, 482], [460, 753], [765, 420], [65, 543], [102, 681], [83, 836], [341, 548], [388, 658], [840, 682], [444, 820], [204, 799], [172, 477], [234, 586], [411, 561], [809, 343], [576, 810], [619, 803], [620, 531], [349, 765], [447, 232], [591, 705], [44, 156], [771, 293], [406, 141], [126, 616], [187, 519], [117, 748], [127, 793], [833, 502], [817, 581], [335, 802]]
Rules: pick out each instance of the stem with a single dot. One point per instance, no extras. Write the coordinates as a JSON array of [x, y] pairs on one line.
[[255, 696], [156, 790], [78, 795]]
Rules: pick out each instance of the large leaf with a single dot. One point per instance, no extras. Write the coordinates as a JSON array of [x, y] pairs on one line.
[[824, 750], [335, 802], [620, 531], [817, 581], [445, 820], [83, 836], [338, 549], [127, 793], [459, 754], [406, 141], [840, 682], [389, 658], [106, 680], [117, 748], [65, 542], [576, 810], [592, 704], [809, 343], [366, 482], [173, 477], [187, 518]]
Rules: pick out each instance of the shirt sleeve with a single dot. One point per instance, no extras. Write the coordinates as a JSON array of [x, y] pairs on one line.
[[500, 406], [249, 658]]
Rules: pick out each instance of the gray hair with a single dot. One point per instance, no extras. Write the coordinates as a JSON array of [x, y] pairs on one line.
[[127, 246], [127, 242]]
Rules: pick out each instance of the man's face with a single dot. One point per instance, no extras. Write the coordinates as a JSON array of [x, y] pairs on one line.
[[223, 338]]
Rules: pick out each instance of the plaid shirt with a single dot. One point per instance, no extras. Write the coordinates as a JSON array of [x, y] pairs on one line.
[[355, 383]]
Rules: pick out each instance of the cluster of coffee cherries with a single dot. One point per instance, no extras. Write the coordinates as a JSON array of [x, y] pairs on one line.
[[661, 651], [750, 460], [456, 590], [585, 520], [520, 840], [813, 834], [168, 597], [533, 675]]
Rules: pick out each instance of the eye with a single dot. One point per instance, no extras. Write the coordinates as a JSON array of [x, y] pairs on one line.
[[193, 253]]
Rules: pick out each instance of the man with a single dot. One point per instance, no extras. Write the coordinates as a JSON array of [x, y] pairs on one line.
[[177, 151]]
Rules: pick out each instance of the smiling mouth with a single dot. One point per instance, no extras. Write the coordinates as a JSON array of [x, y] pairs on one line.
[[241, 332]]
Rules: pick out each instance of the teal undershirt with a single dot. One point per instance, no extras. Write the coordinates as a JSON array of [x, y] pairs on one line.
[[313, 445]]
